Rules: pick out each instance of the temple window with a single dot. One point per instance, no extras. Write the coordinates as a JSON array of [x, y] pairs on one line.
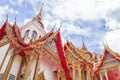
[[11, 77], [27, 33], [34, 35]]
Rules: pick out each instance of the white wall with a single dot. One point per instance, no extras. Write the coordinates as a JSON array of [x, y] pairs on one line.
[[15, 66], [45, 66], [6, 61], [32, 69], [33, 26], [3, 51]]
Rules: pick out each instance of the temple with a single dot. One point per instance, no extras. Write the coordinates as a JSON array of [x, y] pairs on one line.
[[30, 53]]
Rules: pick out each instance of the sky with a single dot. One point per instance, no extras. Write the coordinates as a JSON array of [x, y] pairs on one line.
[[91, 21]]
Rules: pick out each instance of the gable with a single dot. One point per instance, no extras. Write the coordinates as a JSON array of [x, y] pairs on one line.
[[109, 61], [108, 56], [32, 26], [52, 46]]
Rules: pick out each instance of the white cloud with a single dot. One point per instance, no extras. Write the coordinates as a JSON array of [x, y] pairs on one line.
[[74, 9], [113, 39], [16, 3], [110, 9], [20, 2], [35, 4], [26, 20], [91, 10], [4, 11], [113, 24], [12, 11], [72, 29], [12, 2]]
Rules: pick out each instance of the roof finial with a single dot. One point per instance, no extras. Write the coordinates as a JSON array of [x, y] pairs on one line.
[[83, 44], [7, 16], [60, 26], [40, 13], [104, 45], [15, 20], [83, 41], [54, 26]]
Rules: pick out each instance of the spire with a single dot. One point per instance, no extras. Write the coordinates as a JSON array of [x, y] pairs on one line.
[[60, 27], [40, 13], [83, 45], [54, 26], [15, 21], [104, 45], [7, 23], [107, 44], [14, 25], [7, 17]]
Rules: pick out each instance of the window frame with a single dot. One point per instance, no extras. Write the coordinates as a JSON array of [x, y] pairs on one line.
[[34, 35], [27, 33]]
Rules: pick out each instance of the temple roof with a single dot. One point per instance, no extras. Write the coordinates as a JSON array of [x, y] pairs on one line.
[[79, 55], [107, 50]]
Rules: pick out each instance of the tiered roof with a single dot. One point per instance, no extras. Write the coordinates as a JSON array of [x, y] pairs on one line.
[[108, 58]]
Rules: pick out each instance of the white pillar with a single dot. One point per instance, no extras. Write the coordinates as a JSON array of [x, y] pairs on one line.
[[94, 67], [106, 75], [101, 78]]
